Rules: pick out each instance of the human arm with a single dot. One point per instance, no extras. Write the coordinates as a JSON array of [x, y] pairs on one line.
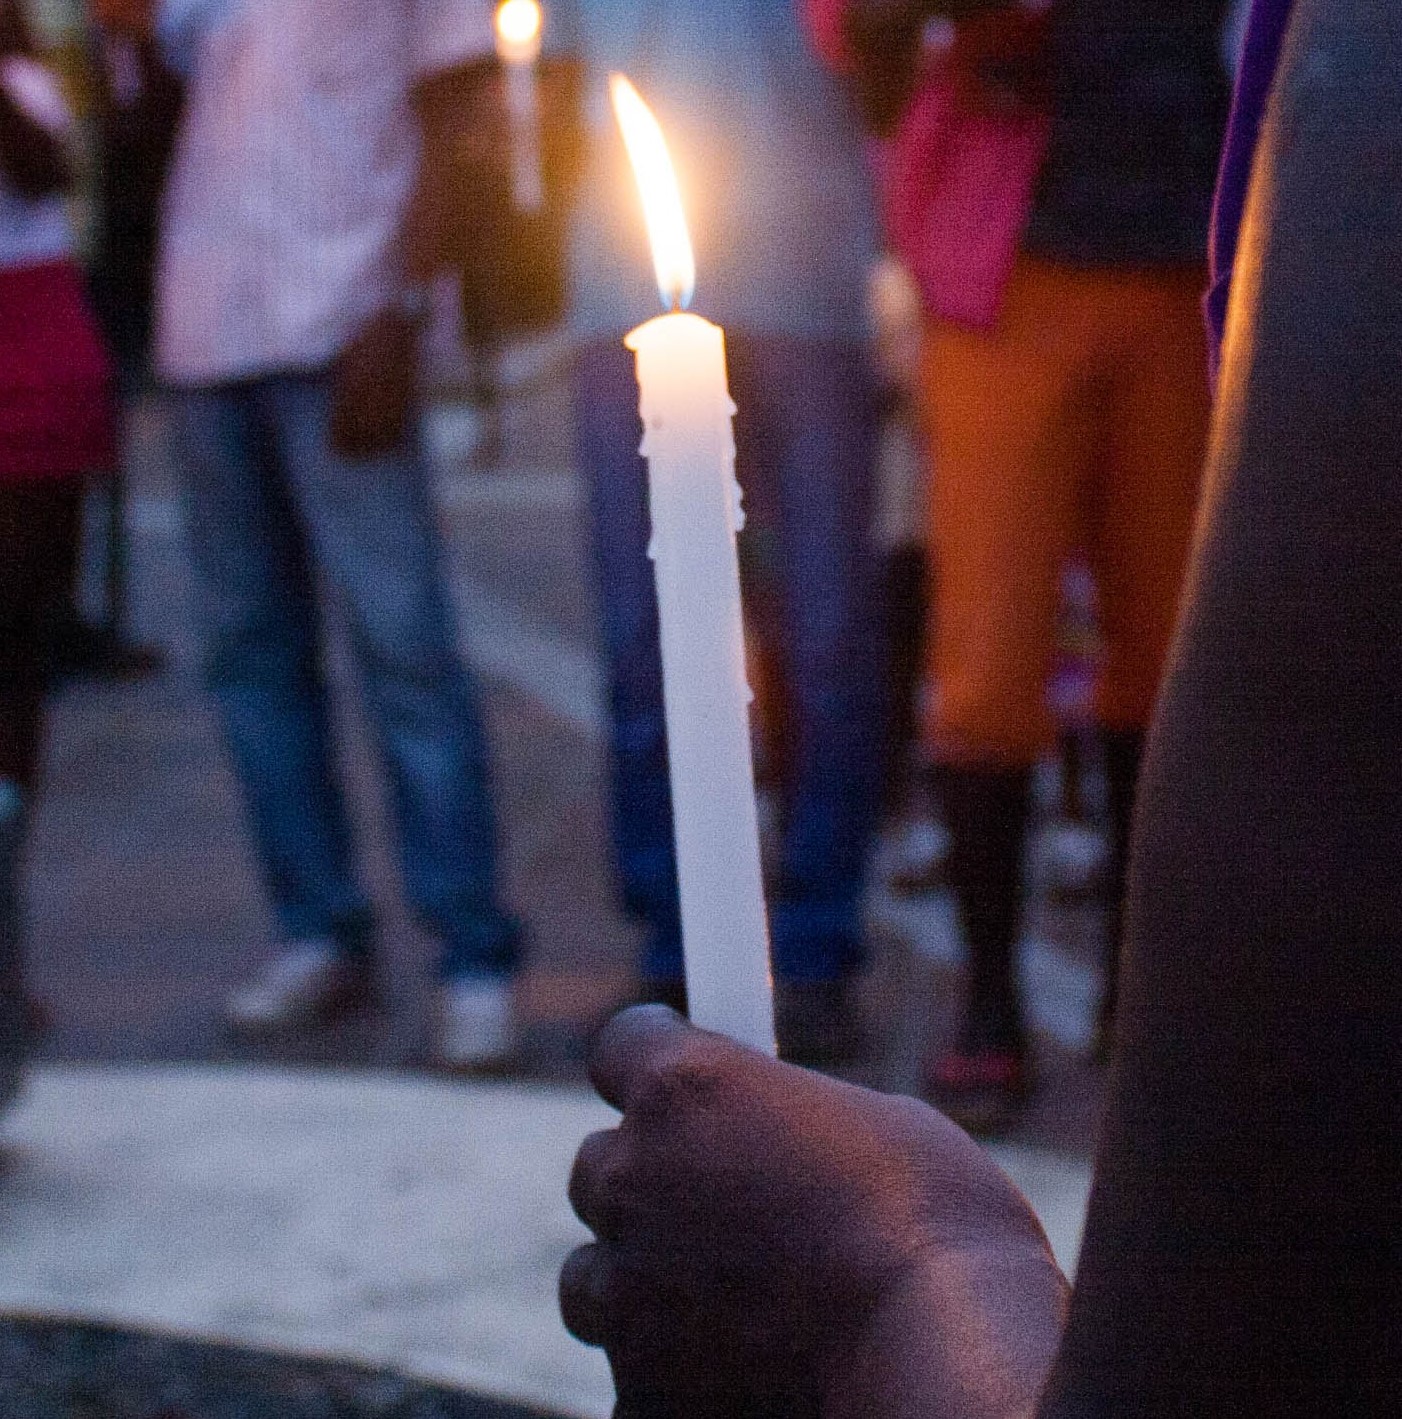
[[376, 374], [32, 157], [1240, 1250], [375, 386], [775, 1243]]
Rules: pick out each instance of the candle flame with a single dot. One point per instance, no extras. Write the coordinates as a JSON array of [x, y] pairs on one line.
[[672, 256], [518, 27]]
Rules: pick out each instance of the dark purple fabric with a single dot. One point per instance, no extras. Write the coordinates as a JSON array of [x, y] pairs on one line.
[[1265, 35]]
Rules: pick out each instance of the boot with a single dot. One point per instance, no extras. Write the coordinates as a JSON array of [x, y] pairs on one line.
[[1124, 753], [981, 1081], [14, 1012]]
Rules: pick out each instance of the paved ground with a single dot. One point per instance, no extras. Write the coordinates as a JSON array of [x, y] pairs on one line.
[[58, 1369], [393, 1221], [146, 910], [384, 1219]]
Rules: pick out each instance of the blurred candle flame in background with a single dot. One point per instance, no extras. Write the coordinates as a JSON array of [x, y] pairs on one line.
[[672, 255], [518, 26]]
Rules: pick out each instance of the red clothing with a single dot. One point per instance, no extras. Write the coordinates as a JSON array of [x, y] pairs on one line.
[[57, 416]]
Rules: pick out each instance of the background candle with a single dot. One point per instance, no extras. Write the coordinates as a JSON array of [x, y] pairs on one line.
[[518, 41], [689, 445]]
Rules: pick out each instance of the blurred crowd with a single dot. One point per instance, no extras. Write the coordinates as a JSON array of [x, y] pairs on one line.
[[958, 248]]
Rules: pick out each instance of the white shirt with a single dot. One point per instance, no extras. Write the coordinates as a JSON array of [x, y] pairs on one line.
[[296, 159], [33, 232]]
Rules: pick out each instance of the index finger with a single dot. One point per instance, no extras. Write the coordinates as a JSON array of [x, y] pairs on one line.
[[630, 1050]]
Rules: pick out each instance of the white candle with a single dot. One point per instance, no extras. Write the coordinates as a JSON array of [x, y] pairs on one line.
[[518, 40], [689, 445]]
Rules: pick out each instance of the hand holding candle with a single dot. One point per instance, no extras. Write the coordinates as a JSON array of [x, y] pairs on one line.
[[689, 444]]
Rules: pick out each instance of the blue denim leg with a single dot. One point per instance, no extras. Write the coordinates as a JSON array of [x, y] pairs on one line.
[[373, 532], [263, 659], [608, 434], [806, 433]]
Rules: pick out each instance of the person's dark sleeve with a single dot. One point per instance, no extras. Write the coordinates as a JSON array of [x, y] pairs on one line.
[[31, 158], [1241, 1256]]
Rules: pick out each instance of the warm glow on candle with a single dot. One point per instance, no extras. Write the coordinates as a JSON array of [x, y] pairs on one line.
[[518, 25], [694, 507], [672, 256]]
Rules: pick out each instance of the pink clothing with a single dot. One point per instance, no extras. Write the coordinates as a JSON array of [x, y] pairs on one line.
[[57, 417], [956, 181]]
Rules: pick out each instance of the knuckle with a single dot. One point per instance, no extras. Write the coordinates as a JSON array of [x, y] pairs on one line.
[[688, 1076], [597, 1180], [583, 1290]]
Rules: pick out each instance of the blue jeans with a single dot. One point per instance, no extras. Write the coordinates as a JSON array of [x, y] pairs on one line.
[[806, 436], [272, 509]]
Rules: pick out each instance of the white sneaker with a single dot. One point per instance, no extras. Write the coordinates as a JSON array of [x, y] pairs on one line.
[[476, 1025], [310, 981]]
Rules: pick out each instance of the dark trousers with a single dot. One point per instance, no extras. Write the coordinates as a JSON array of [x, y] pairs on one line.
[[39, 525]]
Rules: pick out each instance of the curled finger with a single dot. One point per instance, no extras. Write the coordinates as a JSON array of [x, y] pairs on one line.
[[595, 1189], [584, 1289]]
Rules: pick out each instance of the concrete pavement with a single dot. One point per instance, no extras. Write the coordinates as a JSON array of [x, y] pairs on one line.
[[390, 1220]]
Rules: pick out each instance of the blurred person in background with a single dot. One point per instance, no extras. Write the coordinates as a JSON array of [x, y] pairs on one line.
[[134, 107], [915, 863], [294, 256], [770, 161], [56, 427], [1048, 178], [137, 112]]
